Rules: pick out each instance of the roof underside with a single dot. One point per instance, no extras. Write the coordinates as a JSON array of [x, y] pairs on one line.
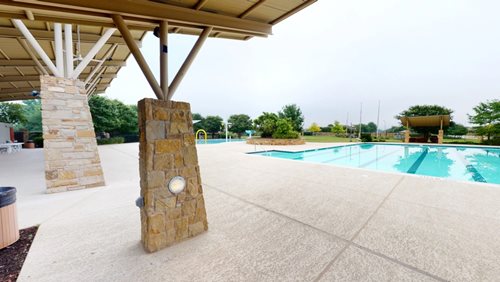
[[230, 19], [426, 121]]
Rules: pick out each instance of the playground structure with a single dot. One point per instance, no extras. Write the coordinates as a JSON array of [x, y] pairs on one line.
[[201, 131]]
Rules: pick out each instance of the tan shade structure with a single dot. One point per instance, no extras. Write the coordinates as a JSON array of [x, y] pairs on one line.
[[20, 65], [426, 121]]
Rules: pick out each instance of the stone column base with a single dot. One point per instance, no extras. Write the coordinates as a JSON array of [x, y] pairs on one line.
[[167, 149], [70, 148], [407, 136], [440, 136]]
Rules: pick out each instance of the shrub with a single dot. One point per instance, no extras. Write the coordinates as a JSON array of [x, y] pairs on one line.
[[366, 138], [112, 140], [38, 141], [494, 141], [284, 130]]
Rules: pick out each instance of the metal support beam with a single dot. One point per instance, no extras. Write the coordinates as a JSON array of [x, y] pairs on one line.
[[251, 9], [187, 63], [200, 4], [160, 11], [58, 42], [99, 65], [90, 55], [120, 24], [36, 46], [68, 48], [96, 80], [10, 32], [17, 90], [36, 78], [164, 58], [41, 69]]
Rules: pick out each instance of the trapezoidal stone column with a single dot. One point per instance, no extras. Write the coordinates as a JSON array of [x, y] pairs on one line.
[[167, 149], [70, 148]]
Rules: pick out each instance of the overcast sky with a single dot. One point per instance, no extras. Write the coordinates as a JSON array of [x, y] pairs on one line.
[[334, 55]]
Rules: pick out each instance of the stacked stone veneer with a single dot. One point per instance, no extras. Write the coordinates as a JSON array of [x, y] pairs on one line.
[[70, 148], [167, 149]]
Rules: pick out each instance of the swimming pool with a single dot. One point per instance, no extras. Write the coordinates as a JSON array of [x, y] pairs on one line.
[[217, 141], [477, 164]]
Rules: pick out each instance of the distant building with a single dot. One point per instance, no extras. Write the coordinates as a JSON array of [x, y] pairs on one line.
[[6, 133]]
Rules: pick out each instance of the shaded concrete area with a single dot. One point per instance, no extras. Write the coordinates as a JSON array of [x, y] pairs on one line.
[[269, 219]]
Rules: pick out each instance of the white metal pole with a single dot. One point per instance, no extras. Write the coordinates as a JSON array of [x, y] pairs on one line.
[[378, 116], [360, 115], [68, 48], [58, 42], [38, 49], [226, 130], [90, 55], [347, 125]]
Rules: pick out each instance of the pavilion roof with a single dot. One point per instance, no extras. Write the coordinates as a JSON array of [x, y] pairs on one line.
[[426, 121], [230, 19]]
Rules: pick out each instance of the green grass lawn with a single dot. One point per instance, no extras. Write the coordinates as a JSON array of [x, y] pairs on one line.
[[335, 139], [323, 139]]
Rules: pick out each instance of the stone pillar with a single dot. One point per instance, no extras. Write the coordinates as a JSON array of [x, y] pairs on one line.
[[407, 136], [440, 136], [71, 157], [167, 148]]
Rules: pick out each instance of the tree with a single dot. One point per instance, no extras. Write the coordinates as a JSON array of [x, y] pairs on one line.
[[371, 127], [113, 116], [314, 127], [294, 114], [337, 128], [284, 130], [128, 118], [487, 117], [240, 123], [198, 122], [457, 130], [266, 124], [12, 113], [213, 124], [425, 110], [33, 112]]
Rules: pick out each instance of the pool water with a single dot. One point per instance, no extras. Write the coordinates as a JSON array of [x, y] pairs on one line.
[[477, 164], [217, 141]]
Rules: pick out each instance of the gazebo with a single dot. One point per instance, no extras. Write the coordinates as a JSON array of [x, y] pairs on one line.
[[425, 121]]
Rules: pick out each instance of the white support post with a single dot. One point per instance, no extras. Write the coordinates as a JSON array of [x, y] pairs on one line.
[[90, 55], [99, 65], [58, 42], [68, 47], [36, 46]]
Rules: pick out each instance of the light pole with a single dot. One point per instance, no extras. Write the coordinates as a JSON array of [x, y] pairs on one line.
[[227, 124]]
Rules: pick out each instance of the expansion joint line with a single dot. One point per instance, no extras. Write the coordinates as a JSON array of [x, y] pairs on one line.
[[347, 242]]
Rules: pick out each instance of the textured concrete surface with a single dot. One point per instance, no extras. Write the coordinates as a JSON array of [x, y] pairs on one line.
[[270, 219]]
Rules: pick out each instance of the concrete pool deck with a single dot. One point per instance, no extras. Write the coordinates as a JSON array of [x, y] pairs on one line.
[[269, 219]]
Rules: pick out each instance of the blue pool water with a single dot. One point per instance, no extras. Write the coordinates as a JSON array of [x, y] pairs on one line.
[[216, 141], [478, 164]]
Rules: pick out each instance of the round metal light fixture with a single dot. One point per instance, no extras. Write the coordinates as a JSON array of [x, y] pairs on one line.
[[177, 184]]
